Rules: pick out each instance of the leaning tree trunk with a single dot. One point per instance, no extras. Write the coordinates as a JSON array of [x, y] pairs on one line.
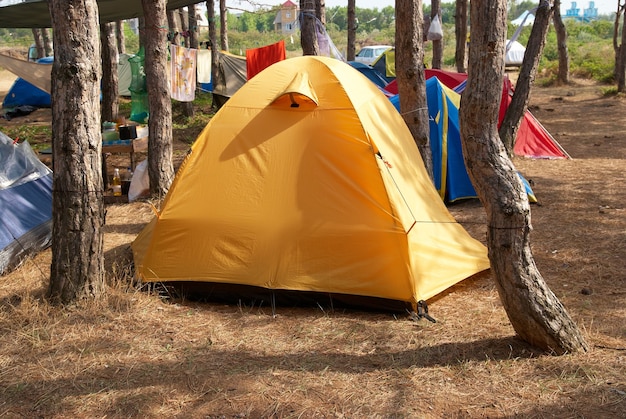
[[561, 44], [160, 168], [460, 26], [410, 75], [308, 39], [437, 43], [77, 268], [351, 53], [519, 102], [110, 105], [535, 312]]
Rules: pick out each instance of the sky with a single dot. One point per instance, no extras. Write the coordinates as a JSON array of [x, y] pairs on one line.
[[603, 6]]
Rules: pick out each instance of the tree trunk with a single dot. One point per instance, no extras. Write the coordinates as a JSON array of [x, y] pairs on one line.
[[223, 25], [183, 28], [621, 61], [172, 23], [320, 11], [616, 47], [351, 53], [437, 43], [38, 42], [519, 102], [308, 39], [535, 312], [192, 26], [47, 43], [119, 35], [160, 168], [210, 6], [561, 44], [410, 75], [110, 104], [460, 26], [77, 268]]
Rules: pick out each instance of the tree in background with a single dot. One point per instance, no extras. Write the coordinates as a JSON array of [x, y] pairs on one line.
[[38, 42], [308, 39], [437, 43], [528, 70], [460, 31], [410, 75], [77, 267], [223, 25], [110, 91], [561, 44], [160, 166], [351, 53], [119, 36], [535, 312], [620, 49], [47, 43]]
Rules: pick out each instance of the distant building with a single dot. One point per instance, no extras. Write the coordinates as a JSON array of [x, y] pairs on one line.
[[589, 13], [286, 20]]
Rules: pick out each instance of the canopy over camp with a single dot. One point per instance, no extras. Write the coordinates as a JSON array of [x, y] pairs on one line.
[[308, 179], [35, 13], [25, 203]]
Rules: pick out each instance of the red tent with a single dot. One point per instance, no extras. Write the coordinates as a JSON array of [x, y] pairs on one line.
[[533, 140]]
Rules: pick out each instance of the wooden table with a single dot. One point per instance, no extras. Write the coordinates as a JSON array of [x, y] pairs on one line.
[[137, 145]]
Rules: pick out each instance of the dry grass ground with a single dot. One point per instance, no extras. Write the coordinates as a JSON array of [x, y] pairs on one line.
[[137, 354]]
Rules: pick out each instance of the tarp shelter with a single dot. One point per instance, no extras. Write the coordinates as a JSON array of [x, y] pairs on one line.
[[231, 75], [308, 179], [24, 93], [35, 13], [25, 203], [450, 175]]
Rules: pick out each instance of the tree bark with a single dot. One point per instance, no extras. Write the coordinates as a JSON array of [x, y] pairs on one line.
[[191, 41], [308, 39], [351, 53], [119, 35], [535, 312], [320, 11], [172, 23], [437, 43], [110, 104], [160, 167], [210, 6], [620, 64], [38, 42], [561, 44], [77, 268], [519, 103], [223, 25], [616, 47], [47, 43], [410, 75], [460, 26], [184, 28]]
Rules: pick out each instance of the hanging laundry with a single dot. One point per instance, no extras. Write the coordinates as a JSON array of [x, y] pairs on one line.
[[183, 67], [204, 66], [258, 59]]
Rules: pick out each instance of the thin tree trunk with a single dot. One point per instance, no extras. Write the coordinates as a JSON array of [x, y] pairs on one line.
[[77, 268], [38, 42], [183, 28], [437, 43], [223, 25], [561, 44], [535, 312], [47, 43], [308, 39], [174, 29], [616, 35], [160, 168], [410, 75], [351, 53], [519, 102], [620, 63], [192, 26], [320, 10], [119, 35], [110, 104], [460, 26], [214, 48]]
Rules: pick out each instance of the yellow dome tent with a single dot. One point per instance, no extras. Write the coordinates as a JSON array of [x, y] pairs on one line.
[[308, 179]]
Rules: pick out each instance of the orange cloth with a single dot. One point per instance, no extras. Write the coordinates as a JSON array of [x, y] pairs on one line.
[[258, 59]]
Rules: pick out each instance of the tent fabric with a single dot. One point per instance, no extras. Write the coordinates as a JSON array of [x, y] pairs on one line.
[[370, 72], [35, 13], [231, 74], [258, 59], [514, 55], [37, 74], [124, 75], [25, 203], [386, 64], [450, 174], [307, 179]]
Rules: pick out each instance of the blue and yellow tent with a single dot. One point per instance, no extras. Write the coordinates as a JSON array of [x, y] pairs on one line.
[[450, 175]]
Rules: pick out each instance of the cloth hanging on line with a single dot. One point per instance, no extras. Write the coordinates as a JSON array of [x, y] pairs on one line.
[[258, 59], [183, 71], [204, 66]]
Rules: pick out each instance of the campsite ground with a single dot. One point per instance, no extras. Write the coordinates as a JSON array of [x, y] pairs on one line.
[[137, 354]]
